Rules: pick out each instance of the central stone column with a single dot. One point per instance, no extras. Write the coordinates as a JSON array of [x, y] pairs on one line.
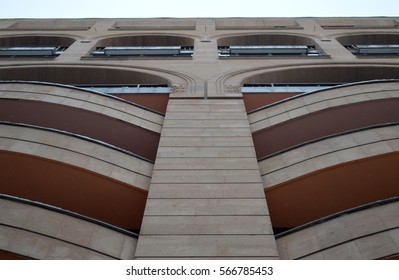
[[206, 199]]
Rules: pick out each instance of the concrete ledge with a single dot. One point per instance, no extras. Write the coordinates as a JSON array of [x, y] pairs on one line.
[[327, 153], [40, 233], [371, 233], [77, 152], [320, 100], [84, 99]]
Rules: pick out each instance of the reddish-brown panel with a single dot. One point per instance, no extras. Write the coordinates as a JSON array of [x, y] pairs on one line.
[[5, 255], [392, 258], [72, 188], [254, 101], [334, 189], [324, 123], [153, 101], [121, 134]]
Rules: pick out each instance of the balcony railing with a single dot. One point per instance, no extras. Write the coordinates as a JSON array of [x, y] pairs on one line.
[[31, 51], [373, 50], [272, 50], [175, 51]]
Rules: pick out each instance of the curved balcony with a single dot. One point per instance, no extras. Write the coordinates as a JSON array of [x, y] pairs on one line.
[[79, 75], [75, 173], [38, 231], [318, 114], [99, 76], [365, 232], [83, 112], [336, 173], [270, 88]]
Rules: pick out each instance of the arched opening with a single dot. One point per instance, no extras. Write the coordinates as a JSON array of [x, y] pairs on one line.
[[145, 89], [371, 44], [267, 45], [269, 87], [34, 46], [143, 46]]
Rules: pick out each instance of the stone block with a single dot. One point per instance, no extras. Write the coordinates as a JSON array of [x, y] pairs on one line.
[[203, 225], [206, 176], [206, 246], [377, 246], [346, 251], [214, 190], [190, 207]]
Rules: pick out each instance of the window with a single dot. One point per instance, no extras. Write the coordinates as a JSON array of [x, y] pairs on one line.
[[179, 51], [31, 51], [373, 50], [272, 50]]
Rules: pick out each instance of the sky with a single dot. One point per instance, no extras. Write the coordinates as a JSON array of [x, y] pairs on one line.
[[195, 8]]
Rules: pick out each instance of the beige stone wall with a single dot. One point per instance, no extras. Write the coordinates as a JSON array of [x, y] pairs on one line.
[[206, 196], [206, 199]]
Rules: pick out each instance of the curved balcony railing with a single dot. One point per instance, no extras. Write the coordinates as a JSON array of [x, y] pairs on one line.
[[314, 116], [93, 115], [363, 232], [56, 233], [331, 174]]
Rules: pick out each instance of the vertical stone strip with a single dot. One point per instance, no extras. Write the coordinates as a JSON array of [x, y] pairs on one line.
[[206, 199]]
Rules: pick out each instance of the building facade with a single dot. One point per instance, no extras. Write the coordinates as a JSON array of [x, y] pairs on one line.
[[242, 138]]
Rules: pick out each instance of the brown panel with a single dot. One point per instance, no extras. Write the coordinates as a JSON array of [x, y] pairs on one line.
[[324, 123], [148, 40], [72, 188], [157, 102], [4, 255], [14, 41], [253, 101], [97, 126], [332, 190], [80, 75]]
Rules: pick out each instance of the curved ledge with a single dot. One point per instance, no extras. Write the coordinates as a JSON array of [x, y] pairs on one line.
[[78, 112], [338, 215], [313, 141], [79, 75], [37, 231], [345, 85], [312, 102], [79, 152], [68, 213], [366, 232], [331, 175], [323, 123], [113, 97], [328, 152], [78, 136]]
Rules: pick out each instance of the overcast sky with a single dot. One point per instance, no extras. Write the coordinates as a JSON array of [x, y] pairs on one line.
[[195, 8]]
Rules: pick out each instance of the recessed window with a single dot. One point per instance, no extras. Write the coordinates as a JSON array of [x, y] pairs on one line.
[[302, 50], [33, 46], [182, 51], [32, 51], [373, 50], [267, 45]]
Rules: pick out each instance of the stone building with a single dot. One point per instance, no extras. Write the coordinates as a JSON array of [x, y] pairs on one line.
[[242, 138]]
